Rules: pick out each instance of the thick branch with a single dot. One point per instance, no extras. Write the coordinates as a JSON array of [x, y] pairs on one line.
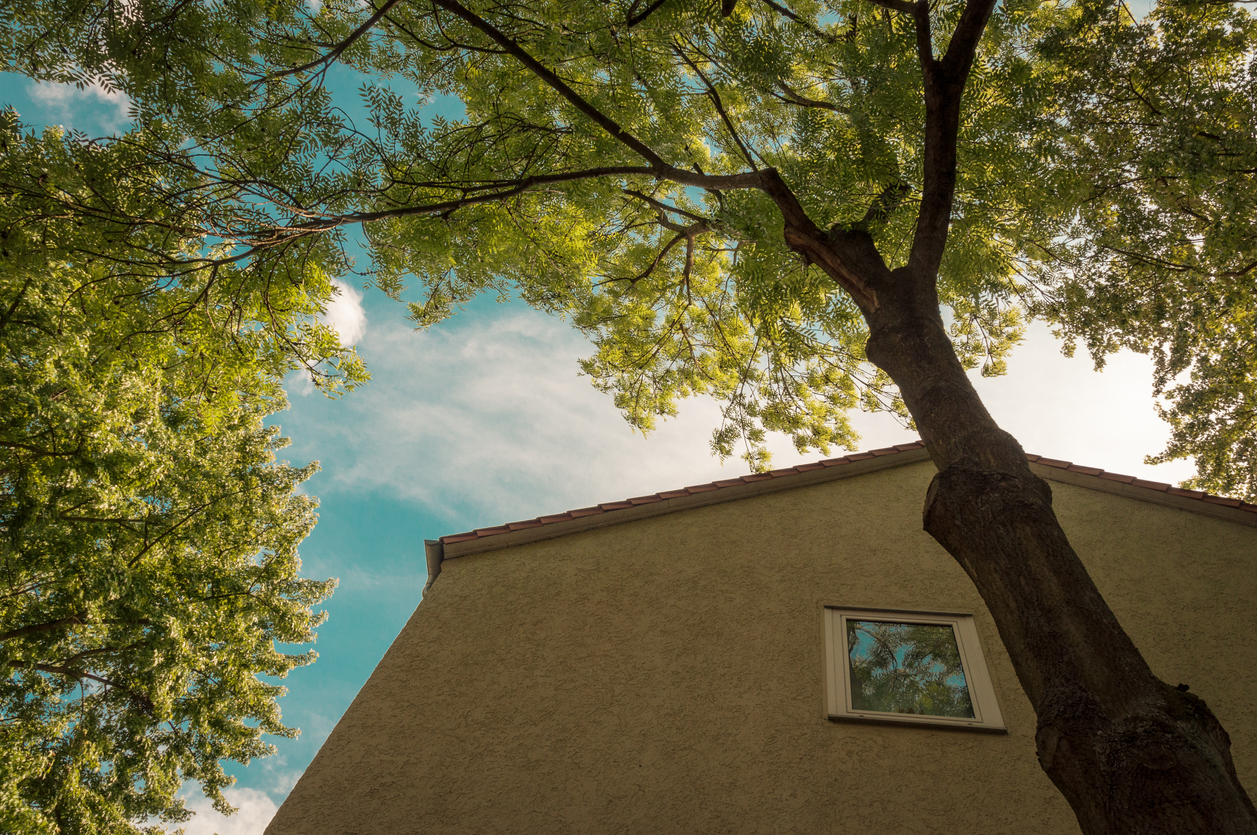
[[634, 19], [72, 620], [850, 258], [944, 88]]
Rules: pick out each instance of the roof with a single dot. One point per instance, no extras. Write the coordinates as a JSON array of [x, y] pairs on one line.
[[1051, 468]]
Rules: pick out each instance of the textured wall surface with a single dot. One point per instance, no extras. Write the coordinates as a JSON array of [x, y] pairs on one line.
[[665, 675]]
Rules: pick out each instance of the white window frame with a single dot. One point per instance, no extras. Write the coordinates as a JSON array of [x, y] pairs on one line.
[[986, 712]]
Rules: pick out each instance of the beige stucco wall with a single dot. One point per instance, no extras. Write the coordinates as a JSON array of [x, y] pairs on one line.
[[665, 675]]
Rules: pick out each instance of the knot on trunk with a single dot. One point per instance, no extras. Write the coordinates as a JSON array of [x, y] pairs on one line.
[[966, 497]]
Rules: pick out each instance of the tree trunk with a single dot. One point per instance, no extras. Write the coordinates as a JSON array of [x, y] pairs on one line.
[[1130, 753]]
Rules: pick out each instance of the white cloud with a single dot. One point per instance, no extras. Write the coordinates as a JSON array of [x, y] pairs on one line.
[[83, 108], [345, 314], [495, 414], [255, 810], [491, 413]]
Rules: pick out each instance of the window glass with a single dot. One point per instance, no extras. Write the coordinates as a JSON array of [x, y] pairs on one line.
[[907, 668]]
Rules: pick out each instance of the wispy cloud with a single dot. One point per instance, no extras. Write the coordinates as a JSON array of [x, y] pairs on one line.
[[87, 108], [491, 413], [494, 414], [255, 811]]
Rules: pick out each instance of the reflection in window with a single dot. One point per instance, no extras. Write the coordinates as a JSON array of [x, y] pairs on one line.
[[909, 668]]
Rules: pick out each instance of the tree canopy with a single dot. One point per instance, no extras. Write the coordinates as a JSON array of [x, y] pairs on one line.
[[604, 171], [147, 534]]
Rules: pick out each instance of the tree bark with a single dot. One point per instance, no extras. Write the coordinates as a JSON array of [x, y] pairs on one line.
[[1130, 753]]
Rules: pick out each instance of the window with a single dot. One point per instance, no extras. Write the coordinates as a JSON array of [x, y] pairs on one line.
[[921, 668]]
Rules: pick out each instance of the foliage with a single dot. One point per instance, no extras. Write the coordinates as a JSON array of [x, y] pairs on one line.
[[1162, 256], [603, 171], [147, 535]]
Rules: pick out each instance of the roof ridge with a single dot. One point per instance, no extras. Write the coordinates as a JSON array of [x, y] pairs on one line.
[[610, 507]]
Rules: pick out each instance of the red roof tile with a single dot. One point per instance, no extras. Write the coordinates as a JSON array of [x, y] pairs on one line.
[[459, 537], [556, 517], [616, 505], [728, 482], [612, 507]]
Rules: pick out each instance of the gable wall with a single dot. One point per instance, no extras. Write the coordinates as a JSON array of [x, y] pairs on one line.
[[665, 675]]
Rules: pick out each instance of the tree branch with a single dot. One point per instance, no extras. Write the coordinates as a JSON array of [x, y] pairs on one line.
[[659, 167], [512, 48], [338, 49], [144, 701], [661, 206], [633, 19], [848, 257], [890, 199], [789, 95], [801, 21], [719, 105], [72, 620], [17, 301], [944, 89]]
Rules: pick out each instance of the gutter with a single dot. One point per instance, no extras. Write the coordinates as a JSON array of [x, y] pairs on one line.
[[434, 550]]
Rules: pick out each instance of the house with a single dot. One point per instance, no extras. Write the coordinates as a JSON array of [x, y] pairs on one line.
[[724, 658]]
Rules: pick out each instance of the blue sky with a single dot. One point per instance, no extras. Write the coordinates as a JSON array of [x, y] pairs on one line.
[[484, 420]]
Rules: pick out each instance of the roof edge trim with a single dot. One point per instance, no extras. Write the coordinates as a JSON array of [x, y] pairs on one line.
[[1191, 501], [803, 475]]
